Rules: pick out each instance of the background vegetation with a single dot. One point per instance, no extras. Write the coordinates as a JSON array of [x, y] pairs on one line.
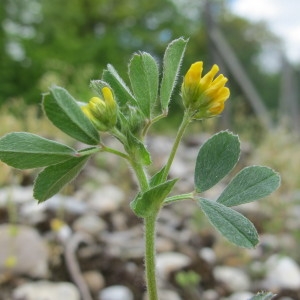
[[68, 43]]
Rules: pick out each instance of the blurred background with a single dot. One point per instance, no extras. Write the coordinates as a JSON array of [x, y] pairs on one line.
[[70, 42], [43, 43]]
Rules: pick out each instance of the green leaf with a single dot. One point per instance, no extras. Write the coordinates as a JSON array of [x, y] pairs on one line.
[[231, 224], [24, 150], [158, 177], [121, 90], [143, 74], [97, 86], [148, 203], [171, 66], [216, 158], [250, 184], [63, 111], [263, 296], [137, 149], [53, 178]]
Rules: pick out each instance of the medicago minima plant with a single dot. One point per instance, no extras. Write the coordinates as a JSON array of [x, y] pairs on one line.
[[127, 113]]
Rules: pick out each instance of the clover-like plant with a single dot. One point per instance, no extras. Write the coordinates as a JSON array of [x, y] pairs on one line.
[[127, 114]]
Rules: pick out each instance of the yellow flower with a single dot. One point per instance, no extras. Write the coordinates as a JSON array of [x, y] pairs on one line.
[[204, 97], [102, 113]]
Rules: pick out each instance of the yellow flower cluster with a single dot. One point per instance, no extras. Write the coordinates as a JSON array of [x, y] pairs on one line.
[[102, 113], [204, 97]]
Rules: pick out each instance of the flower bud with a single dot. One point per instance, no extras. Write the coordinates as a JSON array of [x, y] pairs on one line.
[[102, 113], [204, 97]]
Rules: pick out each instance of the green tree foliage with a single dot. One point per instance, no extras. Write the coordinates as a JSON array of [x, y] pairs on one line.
[[69, 42], [72, 40]]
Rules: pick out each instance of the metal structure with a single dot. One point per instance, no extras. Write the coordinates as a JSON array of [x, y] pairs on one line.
[[225, 56]]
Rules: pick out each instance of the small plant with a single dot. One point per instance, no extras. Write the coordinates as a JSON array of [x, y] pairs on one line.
[[127, 114]]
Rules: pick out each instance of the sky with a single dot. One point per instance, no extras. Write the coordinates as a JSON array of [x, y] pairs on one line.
[[282, 17]]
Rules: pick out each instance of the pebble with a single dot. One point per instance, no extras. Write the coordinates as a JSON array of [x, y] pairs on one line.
[[105, 200], [28, 249], [116, 292], [210, 295], [234, 279], [282, 273], [164, 245], [18, 195], [169, 262], [127, 244], [208, 255], [94, 280], [32, 213], [89, 223], [168, 295], [119, 221], [63, 231], [241, 296], [70, 205], [47, 291]]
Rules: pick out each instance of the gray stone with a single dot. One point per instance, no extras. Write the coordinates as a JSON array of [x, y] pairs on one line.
[[45, 290], [241, 296], [116, 292], [17, 194], [32, 213], [169, 262], [119, 221], [70, 205], [208, 255], [63, 233], [126, 244], [168, 295], [94, 280], [234, 279], [90, 224], [28, 249], [107, 199], [210, 295], [164, 245], [282, 273]]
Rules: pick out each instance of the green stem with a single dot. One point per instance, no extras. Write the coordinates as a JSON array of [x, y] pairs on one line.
[[89, 151], [118, 134], [140, 174], [149, 223], [178, 198], [185, 122], [150, 257], [151, 122], [114, 151]]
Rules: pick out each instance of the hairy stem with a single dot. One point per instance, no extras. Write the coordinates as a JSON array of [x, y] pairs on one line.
[[150, 221], [149, 236], [150, 256], [172, 199], [140, 174], [114, 151], [185, 122], [151, 122]]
